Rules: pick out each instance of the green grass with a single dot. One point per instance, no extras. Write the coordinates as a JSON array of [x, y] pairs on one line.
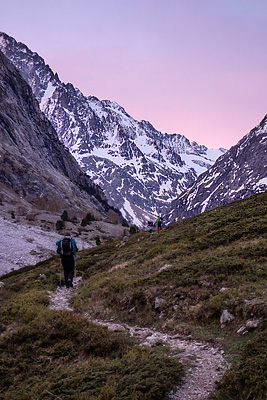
[[225, 247], [186, 265], [247, 379], [47, 354]]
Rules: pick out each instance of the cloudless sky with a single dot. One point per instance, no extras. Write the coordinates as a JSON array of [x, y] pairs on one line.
[[195, 67]]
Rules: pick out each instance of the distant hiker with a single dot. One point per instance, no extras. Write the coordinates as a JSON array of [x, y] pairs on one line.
[[158, 223], [150, 226], [67, 249]]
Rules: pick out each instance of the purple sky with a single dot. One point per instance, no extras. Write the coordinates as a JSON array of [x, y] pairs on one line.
[[195, 67]]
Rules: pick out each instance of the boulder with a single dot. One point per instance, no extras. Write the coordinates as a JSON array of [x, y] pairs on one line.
[[226, 317], [252, 324]]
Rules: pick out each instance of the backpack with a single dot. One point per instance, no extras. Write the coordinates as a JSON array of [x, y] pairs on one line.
[[65, 247]]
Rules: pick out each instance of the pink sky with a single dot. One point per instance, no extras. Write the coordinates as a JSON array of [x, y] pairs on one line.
[[195, 67]]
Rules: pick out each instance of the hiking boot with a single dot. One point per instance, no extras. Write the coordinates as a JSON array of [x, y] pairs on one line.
[[69, 284]]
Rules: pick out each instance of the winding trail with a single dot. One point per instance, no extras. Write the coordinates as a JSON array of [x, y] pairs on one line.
[[205, 363]]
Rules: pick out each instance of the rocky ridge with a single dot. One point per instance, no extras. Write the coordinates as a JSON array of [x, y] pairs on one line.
[[140, 169], [240, 173], [33, 162]]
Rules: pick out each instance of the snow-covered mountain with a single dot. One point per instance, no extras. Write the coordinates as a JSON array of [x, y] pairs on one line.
[[35, 167], [239, 173], [140, 169]]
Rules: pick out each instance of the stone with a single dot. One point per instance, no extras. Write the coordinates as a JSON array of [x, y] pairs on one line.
[[2, 285], [226, 317], [252, 324], [241, 330], [162, 315], [159, 303], [166, 266], [43, 276]]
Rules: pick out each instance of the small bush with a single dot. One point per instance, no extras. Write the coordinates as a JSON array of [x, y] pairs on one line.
[[64, 216], [88, 218], [97, 240], [125, 223], [134, 229], [60, 225]]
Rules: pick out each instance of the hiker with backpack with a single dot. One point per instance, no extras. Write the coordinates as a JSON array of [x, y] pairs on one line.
[[67, 249], [158, 223], [150, 226]]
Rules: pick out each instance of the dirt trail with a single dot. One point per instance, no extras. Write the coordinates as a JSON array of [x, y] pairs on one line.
[[206, 363]]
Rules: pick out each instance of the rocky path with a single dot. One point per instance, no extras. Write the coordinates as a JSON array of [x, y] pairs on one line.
[[206, 363]]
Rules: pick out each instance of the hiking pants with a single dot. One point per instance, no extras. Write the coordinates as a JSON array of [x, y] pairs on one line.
[[68, 266]]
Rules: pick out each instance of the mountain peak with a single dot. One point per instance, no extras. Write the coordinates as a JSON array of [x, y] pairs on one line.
[[140, 169], [238, 174]]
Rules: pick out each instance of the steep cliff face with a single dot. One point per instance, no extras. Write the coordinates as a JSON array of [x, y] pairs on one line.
[[238, 174], [140, 169], [34, 164]]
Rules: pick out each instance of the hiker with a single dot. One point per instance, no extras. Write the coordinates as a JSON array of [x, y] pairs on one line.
[[150, 226], [67, 249], [158, 223]]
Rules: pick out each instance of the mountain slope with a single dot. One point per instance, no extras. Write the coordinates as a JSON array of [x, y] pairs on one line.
[[238, 174], [140, 170], [177, 281], [34, 165]]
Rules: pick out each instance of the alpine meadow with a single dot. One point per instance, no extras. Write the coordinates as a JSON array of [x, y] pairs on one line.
[[198, 267]]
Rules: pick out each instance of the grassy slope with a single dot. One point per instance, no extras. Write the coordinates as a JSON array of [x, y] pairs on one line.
[[225, 247]]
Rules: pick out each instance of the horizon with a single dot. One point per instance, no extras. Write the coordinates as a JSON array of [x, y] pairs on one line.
[[162, 62]]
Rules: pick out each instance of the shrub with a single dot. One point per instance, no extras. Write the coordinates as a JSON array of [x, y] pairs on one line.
[[134, 229], [88, 218], [125, 223], [60, 225], [64, 216]]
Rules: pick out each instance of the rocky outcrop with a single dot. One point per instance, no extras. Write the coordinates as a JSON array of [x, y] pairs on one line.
[[34, 164]]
